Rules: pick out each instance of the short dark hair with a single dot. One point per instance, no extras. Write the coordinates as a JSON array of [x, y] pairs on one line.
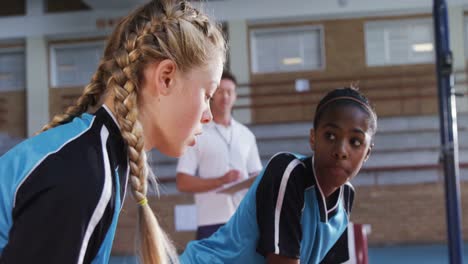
[[227, 75], [345, 96]]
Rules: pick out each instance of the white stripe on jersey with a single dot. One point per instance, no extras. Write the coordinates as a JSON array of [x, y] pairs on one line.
[[103, 200], [279, 202]]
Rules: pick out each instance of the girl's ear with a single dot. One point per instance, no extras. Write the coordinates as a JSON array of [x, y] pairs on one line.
[[312, 139], [164, 76], [368, 152]]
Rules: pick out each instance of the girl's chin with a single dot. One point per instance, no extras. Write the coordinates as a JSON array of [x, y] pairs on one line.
[[179, 150]]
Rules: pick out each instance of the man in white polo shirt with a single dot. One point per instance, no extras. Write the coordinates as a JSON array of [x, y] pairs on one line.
[[225, 152]]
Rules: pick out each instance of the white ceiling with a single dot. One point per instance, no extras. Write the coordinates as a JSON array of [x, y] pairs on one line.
[[114, 4], [37, 23], [266, 9]]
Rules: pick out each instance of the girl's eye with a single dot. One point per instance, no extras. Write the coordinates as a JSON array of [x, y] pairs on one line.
[[330, 136], [356, 142]]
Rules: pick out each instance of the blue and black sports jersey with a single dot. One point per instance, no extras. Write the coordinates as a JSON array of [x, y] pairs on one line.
[[283, 213], [61, 193]]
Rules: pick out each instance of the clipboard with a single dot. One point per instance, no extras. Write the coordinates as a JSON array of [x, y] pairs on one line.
[[234, 187]]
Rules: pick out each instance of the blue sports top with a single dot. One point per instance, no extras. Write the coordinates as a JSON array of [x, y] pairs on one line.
[[284, 213], [61, 193]]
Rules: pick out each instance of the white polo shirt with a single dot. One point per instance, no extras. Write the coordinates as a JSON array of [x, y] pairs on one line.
[[218, 150]]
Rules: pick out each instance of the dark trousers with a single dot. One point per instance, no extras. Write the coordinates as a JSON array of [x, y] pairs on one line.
[[206, 231]]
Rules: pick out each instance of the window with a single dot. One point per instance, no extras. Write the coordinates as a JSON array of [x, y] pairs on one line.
[[13, 8], [59, 6], [73, 65], [398, 42], [12, 69], [287, 49]]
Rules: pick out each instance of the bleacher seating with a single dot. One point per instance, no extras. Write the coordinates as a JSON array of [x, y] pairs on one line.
[[406, 150]]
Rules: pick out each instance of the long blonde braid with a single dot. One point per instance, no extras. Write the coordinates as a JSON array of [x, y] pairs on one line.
[[154, 244], [169, 32]]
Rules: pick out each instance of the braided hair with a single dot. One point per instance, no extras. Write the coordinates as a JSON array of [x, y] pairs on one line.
[[345, 96], [161, 29]]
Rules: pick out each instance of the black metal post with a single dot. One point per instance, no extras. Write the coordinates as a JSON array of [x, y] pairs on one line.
[[448, 130]]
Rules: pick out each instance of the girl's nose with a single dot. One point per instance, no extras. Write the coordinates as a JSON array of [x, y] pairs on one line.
[[207, 116], [340, 152]]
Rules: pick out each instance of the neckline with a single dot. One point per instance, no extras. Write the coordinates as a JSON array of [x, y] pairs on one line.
[[325, 213]]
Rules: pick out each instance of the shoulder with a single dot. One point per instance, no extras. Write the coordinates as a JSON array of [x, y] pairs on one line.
[[284, 166], [59, 153], [62, 175], [284, 160], [77, 160], [25, 157], [243, 129]]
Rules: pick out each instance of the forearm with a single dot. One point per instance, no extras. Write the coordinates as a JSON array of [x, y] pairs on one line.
[[189, 183]]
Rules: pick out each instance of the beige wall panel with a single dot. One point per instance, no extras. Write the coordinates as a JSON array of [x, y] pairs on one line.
[[61, 98], [405, 213], [13, 113], [429, 105], [281, 114], [388, 108]]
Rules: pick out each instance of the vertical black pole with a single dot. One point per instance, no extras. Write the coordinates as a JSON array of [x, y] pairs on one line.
[[448, 130]]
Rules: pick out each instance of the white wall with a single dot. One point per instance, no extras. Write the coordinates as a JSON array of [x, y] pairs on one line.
[[239, 61], [37, 84]]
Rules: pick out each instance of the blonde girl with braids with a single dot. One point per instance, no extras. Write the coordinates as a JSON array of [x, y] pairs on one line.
[[62, 190]]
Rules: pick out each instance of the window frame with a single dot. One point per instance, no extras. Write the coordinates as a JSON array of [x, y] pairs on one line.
[[15, 49], [253, 62], [406, 22], [53, 55]]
